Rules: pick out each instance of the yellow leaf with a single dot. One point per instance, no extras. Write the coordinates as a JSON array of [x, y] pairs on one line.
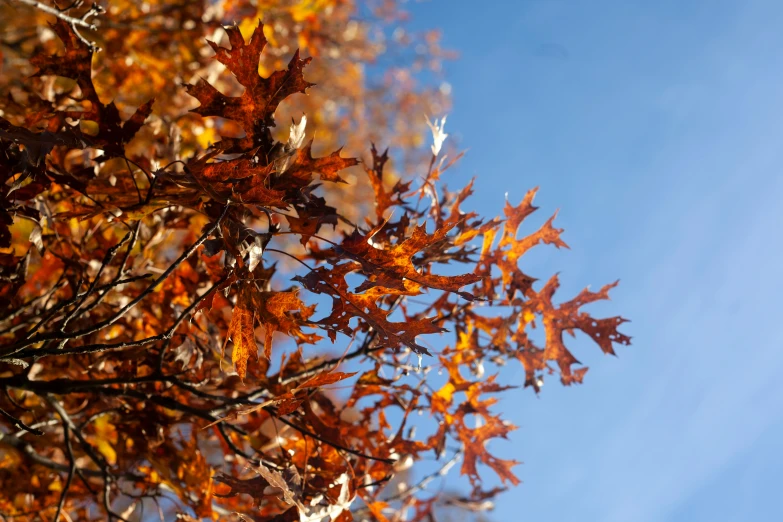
[[269, 32], [301, 11], [446, 392], [207, 136], [105, 435], [107, 451]]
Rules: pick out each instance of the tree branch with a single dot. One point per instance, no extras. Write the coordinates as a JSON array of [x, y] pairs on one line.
[[63, 337], [79, 22]]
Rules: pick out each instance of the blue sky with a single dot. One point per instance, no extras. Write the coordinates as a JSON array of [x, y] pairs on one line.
[[655, 127]]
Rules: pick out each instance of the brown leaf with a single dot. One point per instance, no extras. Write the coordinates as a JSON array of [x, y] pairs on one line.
[[346, 305], [76, 63], [322, 379], [565, 318], [304, 165], [391, 267], [254, 109]]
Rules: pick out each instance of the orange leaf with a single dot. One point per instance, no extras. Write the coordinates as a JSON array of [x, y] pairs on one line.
[[241, 332], [322, 379], [282, 312]]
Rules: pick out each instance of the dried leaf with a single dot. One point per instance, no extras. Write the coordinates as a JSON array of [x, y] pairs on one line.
[[255, 108]]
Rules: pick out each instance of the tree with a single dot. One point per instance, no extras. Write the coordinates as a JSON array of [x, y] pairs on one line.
[[221, 322]]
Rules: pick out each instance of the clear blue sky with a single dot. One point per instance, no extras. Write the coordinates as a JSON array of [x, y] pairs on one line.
[[657, 128]]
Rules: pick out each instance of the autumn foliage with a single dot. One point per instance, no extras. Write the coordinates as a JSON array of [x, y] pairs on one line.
[[200, 311]]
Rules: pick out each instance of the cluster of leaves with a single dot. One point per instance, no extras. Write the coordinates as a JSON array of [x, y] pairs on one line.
[[132, 270], [369, 68]]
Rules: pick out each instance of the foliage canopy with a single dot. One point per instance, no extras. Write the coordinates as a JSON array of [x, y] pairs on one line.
[[177, 273]]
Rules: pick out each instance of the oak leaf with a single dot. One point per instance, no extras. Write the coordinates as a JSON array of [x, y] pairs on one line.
[[283, 312], [255, 108], [76, 63]]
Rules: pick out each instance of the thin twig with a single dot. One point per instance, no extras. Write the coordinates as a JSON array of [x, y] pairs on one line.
[[60, 336], [319, 438], [19, 424], [79, 22], [71, 471]]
